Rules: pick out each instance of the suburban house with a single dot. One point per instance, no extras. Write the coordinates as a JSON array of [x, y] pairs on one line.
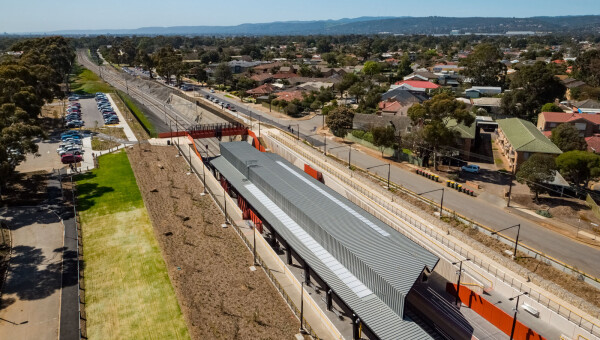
[[491, 105], [262, 90], [518, 139], [587, 124], [399, 100], [586, 106], [268, 68], [415, 85], [290, 95], [240, 66], [262, 78], [478, 91], [422, 75], [466, 139]]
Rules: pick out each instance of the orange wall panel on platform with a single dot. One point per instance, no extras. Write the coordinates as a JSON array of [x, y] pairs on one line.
[[493, 314]]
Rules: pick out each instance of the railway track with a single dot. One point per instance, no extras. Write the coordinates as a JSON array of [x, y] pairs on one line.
[[161, 109]]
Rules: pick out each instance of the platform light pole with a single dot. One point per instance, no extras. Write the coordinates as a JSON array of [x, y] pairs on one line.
[[302, 331], [514, 324], [441, 201], [516, 240], [457, 301], [389, 170]]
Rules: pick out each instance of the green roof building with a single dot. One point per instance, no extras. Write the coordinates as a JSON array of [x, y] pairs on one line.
[[518, 139]]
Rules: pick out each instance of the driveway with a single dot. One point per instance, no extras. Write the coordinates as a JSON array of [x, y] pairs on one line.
[[32, 291]]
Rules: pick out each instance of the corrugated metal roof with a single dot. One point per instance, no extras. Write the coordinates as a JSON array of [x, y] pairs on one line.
[[380, 258], [524, 136]]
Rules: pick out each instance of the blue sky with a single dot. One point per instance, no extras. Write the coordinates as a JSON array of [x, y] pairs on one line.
[[50, 15]]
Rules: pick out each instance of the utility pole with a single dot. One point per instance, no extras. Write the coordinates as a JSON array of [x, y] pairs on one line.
[[325, 145], [512, 175], [349, 157]]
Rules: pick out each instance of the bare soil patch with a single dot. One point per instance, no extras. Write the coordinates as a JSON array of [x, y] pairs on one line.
[[208, 265]]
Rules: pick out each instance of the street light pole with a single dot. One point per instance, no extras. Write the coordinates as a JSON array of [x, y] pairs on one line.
[[516, 240], [441, 201], [389, 170], [456, 302], [325, 145], [514, 324]]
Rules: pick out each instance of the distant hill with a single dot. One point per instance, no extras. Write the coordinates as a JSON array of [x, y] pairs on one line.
[[373, 25]]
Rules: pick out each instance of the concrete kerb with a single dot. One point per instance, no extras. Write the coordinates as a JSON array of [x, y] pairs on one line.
[[315, 318], [520, 281]]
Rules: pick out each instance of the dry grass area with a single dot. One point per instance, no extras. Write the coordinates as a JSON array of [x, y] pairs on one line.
[[100, 144], [208, 265], [116, 132]]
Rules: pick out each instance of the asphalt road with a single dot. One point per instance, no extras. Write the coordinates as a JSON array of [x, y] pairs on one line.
[[90, 114], [493, 215]]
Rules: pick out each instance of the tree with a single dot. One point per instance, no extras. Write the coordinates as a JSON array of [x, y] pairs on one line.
[[223, 74], [169, 63], [404, 67], [536, 172], [567, 138], [383, 137], [357, 90], [371, 68], [587, 67], [434, 115], [339, 121], [292, 109], [531, 87], [26, 84], [483, 66], [551, 107], [579, 167]]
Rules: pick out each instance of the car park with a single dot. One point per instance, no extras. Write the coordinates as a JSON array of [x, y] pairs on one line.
[[472, 168]]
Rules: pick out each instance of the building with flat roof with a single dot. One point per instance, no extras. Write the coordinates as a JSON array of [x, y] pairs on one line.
[[365, 266]]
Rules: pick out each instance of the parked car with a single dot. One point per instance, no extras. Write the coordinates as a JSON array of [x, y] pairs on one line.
[[73, 98], [75, 149], [70, 158], [112, 120], [75, 124], [472, 168], [212, 91], [70, 133]]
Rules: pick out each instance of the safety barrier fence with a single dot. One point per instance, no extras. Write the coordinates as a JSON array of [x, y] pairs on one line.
[[259, 260], [345, 176]]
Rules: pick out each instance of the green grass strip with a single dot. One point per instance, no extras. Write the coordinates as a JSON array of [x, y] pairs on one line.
[[84, 81], [139, 115], [127, 288]]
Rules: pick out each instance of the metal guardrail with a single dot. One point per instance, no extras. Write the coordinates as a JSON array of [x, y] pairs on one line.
[[551, 304], [259, 260]]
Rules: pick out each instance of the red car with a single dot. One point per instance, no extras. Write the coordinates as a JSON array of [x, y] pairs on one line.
[[70, 158]]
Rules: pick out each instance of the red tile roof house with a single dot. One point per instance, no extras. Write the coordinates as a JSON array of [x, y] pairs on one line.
[[288, 96], [392, 108], [587, 124], [593, 143], [416, 85], [262, 90], [262, 78]]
